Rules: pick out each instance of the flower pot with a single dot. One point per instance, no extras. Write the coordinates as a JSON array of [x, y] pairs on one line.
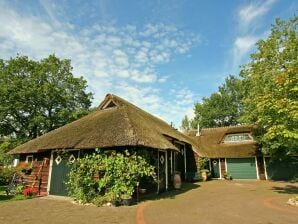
[[127, 202], [115, 203], [204, 176], [177, 181]]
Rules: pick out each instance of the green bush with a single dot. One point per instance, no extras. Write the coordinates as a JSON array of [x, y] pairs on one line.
[[103, 177], [6, 175]]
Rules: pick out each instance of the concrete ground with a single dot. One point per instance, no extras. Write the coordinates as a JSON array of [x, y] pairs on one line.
[[210, 202]]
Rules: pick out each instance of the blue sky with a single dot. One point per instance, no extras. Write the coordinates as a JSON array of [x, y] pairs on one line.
[[162, 56]]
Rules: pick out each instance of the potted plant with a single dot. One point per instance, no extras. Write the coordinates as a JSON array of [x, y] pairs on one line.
[[204, 174], [227, 176], [27, 170], [126, 199]]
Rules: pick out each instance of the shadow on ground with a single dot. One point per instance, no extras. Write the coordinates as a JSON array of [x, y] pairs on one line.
[[172, 193], [288, 189]]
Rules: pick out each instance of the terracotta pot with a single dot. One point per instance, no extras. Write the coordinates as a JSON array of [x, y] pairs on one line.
[[177, 181], [204, 176]]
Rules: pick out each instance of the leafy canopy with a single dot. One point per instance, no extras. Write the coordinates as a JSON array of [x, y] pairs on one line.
[[271, 84], [39, 96], [222, 108]]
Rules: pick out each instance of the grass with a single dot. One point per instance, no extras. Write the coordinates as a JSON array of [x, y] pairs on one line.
[[6, 198]]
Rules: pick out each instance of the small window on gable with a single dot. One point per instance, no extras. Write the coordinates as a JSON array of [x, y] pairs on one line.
[[109, 104], [239, 137], [29, 159]]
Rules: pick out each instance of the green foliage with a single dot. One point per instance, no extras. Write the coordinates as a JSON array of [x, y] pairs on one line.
[[6, 175], [202, 163], [6, 144], [271, 85], [223, 108], [185, 124], [227, 176], [81, 184], [39, 96], [102, 177]]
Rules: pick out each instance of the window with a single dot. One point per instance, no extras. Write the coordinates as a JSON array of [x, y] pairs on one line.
[[235, 138], [108, 105], [29, 159]]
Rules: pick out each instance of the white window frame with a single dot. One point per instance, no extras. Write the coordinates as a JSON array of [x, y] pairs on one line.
[[237, 141], [27, 158]]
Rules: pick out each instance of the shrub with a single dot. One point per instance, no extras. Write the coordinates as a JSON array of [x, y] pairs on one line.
[[103, 177], [6, 175], [29, 191]]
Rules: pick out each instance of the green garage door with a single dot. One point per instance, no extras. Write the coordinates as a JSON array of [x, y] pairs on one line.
[[242, 168]]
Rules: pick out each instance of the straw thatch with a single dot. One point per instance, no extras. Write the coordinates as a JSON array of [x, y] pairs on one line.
[[211, 145], [115, 123]]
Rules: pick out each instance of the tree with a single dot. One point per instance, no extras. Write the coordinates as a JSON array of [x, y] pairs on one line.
[[39, 96], [222, 108], [271, 84], [185, 124]]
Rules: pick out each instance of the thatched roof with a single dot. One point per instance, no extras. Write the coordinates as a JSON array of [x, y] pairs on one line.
[[115, 123], [211, 145]]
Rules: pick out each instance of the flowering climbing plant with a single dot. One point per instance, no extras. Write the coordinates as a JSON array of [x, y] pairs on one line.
[[106, 176]]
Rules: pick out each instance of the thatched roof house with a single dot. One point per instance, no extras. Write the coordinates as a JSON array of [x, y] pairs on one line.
[[115, 123], [231, 150], [211, 142]]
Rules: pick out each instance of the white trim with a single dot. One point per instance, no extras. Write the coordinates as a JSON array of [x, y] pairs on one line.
[[184, 163], [166, 170], [210, 167], [104, 107], [172, 163], [226, 165], [265, 167], [219, 167], [257, 168], [50, 172], [29, 156], [157, 171]]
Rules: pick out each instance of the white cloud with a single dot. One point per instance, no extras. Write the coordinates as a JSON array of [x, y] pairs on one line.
[[243, 45], [247, 32], [251, 12], [121, 60]]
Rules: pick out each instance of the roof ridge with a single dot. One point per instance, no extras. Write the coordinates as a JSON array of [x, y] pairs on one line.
[[138, 108], [231, 126]]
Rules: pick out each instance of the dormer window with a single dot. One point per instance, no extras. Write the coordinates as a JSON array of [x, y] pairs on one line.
[[239, 137]]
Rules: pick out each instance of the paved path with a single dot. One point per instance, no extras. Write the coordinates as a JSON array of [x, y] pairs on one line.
[[207, 203], [227, 202]]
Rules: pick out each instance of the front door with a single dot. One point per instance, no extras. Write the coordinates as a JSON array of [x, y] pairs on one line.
[[162, 170], [215, 168], [60, 169]]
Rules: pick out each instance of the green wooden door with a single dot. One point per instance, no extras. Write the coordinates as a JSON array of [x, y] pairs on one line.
[[215, 168], [162, 171], [60, 169], [242, 168]]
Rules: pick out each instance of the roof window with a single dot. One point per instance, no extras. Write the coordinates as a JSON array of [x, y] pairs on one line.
[[239, 137]]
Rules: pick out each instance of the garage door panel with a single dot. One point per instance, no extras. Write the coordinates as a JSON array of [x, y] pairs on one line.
[[242, 168]]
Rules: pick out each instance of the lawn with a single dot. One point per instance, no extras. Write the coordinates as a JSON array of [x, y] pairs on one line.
[[5, 198]]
